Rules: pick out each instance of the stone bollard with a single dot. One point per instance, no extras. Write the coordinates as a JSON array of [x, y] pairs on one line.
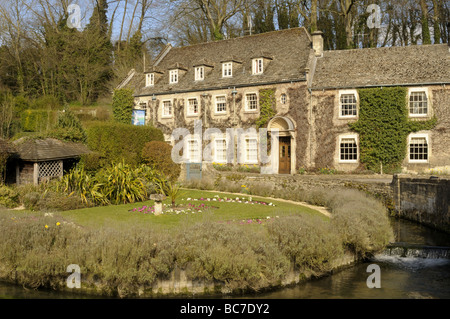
[[158, 198]]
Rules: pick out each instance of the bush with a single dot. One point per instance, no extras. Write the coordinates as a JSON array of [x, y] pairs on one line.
[[38, 120], [69, 128], [56, 201], [91, 161], [310, 241], [116, 142], [9, 197], [122, 104], [158, 155], [115, 184]]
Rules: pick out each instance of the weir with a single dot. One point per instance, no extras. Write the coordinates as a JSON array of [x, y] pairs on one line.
[[403, 249]]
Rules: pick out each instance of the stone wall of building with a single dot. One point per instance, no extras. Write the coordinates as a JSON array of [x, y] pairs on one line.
[[439, 136]]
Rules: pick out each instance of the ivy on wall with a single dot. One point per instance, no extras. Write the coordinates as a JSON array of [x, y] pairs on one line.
[[383, 127], [267, 102]]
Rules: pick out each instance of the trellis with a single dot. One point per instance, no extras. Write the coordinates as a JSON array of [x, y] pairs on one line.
[[50, 169]]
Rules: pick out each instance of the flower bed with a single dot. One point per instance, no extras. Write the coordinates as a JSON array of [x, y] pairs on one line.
[[190, 208], [244, 200]]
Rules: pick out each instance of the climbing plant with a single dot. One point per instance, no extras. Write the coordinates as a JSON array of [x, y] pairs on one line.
[[266, 106], [383, 127]]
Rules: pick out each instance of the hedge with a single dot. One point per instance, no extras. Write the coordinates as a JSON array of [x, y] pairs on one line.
[[38, 120], [117, 142]]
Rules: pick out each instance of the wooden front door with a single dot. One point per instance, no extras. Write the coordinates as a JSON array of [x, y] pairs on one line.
[[285, 155]]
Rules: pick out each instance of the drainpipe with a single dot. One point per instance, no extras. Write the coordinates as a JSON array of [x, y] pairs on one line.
[[310, 126]]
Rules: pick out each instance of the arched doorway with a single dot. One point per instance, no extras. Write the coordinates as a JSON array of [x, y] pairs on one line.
[[285, 128]]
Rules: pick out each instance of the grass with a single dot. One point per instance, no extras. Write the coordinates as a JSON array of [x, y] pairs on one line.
[[118, 216], [120, 251]]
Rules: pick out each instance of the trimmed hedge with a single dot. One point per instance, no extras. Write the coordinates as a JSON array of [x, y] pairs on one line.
[[117, 142], [38, 120], [158, 154]]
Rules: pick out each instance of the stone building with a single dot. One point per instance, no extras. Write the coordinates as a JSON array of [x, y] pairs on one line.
[[423, 70], [35, 161], [284, 81]]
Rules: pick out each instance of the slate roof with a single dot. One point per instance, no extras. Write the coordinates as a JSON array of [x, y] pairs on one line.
[[289, 50], [416, 64], [48, 149]]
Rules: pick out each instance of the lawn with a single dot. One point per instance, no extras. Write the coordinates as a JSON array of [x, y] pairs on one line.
[[216, 209]]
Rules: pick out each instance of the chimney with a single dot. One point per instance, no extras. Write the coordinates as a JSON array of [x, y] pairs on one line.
[[317, 42]]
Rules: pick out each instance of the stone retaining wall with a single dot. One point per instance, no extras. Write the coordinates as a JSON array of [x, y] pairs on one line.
[[423, 199]]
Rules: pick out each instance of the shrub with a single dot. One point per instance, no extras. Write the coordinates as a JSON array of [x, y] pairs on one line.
[[68, 127], [116, 142], [9, 197], [56, 201], [122, 104], [158, 155], [91, 161], [310, 241], [38, 120], [115, 184]]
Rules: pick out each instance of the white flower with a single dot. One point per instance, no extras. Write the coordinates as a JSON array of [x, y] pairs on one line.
[[188, 198], [268, 217]]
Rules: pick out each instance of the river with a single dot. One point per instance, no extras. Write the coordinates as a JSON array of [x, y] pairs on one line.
[[400, 277]]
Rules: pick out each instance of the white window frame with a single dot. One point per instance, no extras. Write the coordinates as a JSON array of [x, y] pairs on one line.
[[227, 69], [345, 92], [216, 150], [173, 76], [258, 66], [150, 79], [189, 106], [418, 89], [246, 151], [163, 114], [199, 73], [418, 135], [247, 108], [216, 102], [188, 148], [352, 136], [283, 96]]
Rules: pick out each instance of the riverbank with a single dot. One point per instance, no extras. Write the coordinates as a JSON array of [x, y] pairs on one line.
[[206, 256]]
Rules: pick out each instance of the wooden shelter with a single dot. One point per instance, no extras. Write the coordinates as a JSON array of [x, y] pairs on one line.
[[39, 160]]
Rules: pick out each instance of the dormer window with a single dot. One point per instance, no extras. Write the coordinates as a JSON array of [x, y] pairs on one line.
[[199, 73], [149, 79], [227, 69], [258, 66], [173, 76]]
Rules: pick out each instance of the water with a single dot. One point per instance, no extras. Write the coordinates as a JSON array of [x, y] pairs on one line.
[[401, 277]]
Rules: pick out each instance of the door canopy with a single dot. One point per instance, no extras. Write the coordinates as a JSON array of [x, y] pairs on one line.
[[283, 124]]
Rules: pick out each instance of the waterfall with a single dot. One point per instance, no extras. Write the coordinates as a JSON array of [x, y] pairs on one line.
[[417, 251]]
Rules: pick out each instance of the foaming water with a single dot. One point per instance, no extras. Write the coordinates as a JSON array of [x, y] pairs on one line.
[[411, 263]]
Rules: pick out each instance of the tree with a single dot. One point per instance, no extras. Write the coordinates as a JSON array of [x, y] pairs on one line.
[[426, 39], [7, 104], [216, 12]]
